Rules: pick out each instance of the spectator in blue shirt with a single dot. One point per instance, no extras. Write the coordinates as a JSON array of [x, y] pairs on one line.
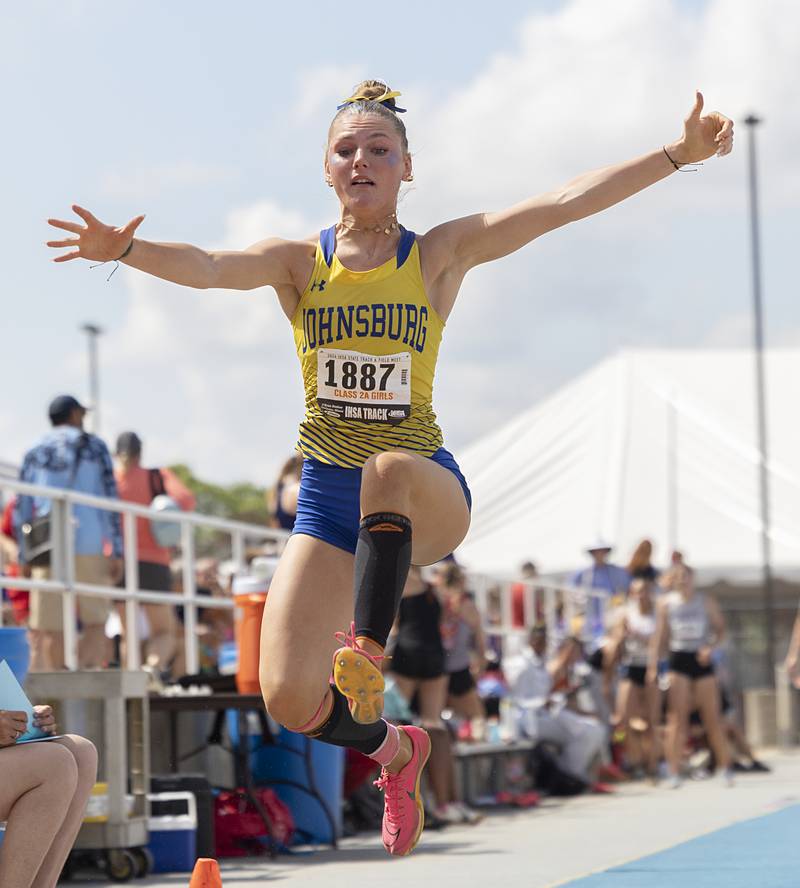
[[609, 579], [69, 457], [598, 585]]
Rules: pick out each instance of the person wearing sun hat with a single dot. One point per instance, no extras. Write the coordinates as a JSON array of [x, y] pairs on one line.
[[599, 586]]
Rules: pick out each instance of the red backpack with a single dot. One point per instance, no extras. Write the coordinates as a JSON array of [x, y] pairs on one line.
[[239, 829]]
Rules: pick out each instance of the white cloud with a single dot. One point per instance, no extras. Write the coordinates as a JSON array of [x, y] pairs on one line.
[[152, 181], [247, 225]]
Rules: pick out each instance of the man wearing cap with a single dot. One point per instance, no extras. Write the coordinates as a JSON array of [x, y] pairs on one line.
[[68, 457], [599, 587], [139, 485]]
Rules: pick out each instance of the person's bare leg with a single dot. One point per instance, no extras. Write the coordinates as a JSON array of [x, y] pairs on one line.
[[467, 705], [652, 695], [160, 647], [93, 648], [678, 698], [441, 767], [621, 714], [738, 739], [634, 711], [623, 710], [36, 791], [706, 692], [53, 651], [85, 756], [36, 638]]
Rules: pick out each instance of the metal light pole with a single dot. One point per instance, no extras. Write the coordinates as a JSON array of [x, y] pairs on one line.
[[761, 405], [92, 331]]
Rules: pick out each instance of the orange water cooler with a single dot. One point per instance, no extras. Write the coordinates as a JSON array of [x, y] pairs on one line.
[[249, 596]]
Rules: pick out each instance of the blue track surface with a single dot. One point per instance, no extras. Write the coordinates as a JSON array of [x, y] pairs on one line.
[[759, 853]]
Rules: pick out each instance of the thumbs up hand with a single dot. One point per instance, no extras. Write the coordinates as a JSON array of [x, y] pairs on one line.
[[703, 136]]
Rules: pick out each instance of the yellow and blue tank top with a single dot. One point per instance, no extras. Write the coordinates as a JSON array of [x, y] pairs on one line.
[[367, 343]]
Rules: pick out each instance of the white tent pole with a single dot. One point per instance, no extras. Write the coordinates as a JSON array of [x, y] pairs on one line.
[[672, 475], [619, 433]]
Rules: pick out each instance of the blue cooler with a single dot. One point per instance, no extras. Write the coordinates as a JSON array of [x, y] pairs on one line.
[[15, 649], [173, 831]]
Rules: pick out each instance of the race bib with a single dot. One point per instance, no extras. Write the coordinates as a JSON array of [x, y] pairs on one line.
[[369, 388]]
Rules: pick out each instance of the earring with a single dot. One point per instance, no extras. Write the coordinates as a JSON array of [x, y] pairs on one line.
[[410, 177], [329, 183]]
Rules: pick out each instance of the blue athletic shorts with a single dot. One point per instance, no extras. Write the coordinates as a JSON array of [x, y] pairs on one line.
[[329, 502]]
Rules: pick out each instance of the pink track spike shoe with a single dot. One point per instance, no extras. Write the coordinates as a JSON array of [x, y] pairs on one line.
[[403, 812], [358, 676]]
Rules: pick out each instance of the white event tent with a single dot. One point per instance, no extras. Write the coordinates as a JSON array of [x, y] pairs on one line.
[[649, 443]]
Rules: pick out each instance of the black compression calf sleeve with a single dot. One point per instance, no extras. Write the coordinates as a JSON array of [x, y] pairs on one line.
[[339, 729], [383, 557]]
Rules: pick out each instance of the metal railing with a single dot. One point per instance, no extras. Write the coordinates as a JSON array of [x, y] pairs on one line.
[[62, 568], [557, 605]]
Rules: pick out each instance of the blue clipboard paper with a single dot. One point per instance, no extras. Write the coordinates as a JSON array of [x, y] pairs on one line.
[[12, 697]]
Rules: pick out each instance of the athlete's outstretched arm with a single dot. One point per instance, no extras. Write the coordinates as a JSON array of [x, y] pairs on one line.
[[266, 263], [487, 236]]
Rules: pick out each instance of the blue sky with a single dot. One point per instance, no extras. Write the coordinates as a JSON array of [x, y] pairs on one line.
[[211, 119]]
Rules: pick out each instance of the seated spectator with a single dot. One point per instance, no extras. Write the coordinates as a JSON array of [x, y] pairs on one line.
[[531, 678], [139, 485], [68, 457], [43, 794]]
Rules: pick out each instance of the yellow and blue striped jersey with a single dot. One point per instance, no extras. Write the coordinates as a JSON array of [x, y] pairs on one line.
[[367, 343]]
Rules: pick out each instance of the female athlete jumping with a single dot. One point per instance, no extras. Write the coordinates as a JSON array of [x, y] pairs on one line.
[[367, 301]]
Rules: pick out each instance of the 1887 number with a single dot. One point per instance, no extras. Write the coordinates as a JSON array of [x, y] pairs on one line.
[[366, 380]]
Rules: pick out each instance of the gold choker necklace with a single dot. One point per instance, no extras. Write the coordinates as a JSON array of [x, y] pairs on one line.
[[387, 226]]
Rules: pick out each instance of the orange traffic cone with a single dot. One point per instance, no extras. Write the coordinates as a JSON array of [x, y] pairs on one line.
[[206, 874]]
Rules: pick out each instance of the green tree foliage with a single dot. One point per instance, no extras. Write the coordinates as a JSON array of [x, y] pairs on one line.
[[238, 502]]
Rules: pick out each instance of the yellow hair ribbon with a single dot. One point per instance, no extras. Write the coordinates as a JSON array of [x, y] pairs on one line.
[[388, 94]]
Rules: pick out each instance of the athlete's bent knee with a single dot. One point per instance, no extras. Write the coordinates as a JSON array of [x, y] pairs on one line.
[[290, 703], [387, 470]]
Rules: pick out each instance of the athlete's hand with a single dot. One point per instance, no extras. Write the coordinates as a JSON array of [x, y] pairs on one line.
[[702, 137], [95, 240]]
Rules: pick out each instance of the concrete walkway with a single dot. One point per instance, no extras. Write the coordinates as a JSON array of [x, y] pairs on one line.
[[538, 848]]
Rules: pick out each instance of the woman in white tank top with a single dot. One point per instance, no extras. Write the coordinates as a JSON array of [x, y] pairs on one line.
[[638, 700], [689, 625]]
